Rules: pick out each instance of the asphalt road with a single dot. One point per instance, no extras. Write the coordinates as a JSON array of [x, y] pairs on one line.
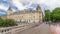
[[41, 29]]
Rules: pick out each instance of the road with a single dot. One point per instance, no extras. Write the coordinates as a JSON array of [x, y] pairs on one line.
[[41, 29]]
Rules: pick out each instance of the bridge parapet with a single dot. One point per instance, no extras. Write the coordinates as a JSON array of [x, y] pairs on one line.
[[15, 29]]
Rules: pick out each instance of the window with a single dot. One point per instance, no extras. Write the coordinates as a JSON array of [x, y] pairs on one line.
[[33, 16], [22, 16]]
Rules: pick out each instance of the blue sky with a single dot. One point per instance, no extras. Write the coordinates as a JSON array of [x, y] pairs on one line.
[[25, 4]]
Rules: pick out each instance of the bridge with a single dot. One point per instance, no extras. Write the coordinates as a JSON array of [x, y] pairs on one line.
[[35, 28]]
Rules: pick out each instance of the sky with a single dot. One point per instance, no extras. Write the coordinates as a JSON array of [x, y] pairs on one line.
[[27, 4]]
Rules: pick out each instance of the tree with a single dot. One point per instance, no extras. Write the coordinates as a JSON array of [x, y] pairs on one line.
[[52, 16], [7, 22], [56, 14], [47, 15], [1, 21]]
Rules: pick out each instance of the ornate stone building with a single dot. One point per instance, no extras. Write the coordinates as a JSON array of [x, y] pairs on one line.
[[28, 16]]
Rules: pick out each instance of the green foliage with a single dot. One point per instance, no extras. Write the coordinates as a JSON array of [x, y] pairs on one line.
[[1, 21], [7, 22], [54, 15], [47, 15]]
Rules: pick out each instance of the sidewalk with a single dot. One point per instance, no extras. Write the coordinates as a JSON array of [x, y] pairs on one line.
[[55, 29], [41, 29]]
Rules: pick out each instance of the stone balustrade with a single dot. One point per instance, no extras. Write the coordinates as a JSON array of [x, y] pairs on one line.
[[15, 29], [11, 30]]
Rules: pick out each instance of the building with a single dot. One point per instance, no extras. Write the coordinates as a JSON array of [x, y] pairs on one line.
[[25, 16]]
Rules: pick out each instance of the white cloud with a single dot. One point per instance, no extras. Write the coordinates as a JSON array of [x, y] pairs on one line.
[[18, 4], [50, 3], [3, 7]]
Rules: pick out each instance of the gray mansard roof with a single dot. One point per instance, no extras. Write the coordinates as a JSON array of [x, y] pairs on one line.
[[24, 11]]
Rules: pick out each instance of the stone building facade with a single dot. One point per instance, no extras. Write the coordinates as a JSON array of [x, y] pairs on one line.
[[25, 16]]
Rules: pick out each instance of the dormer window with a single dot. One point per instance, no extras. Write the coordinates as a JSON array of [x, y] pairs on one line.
[[9, 9], [38, 7]]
